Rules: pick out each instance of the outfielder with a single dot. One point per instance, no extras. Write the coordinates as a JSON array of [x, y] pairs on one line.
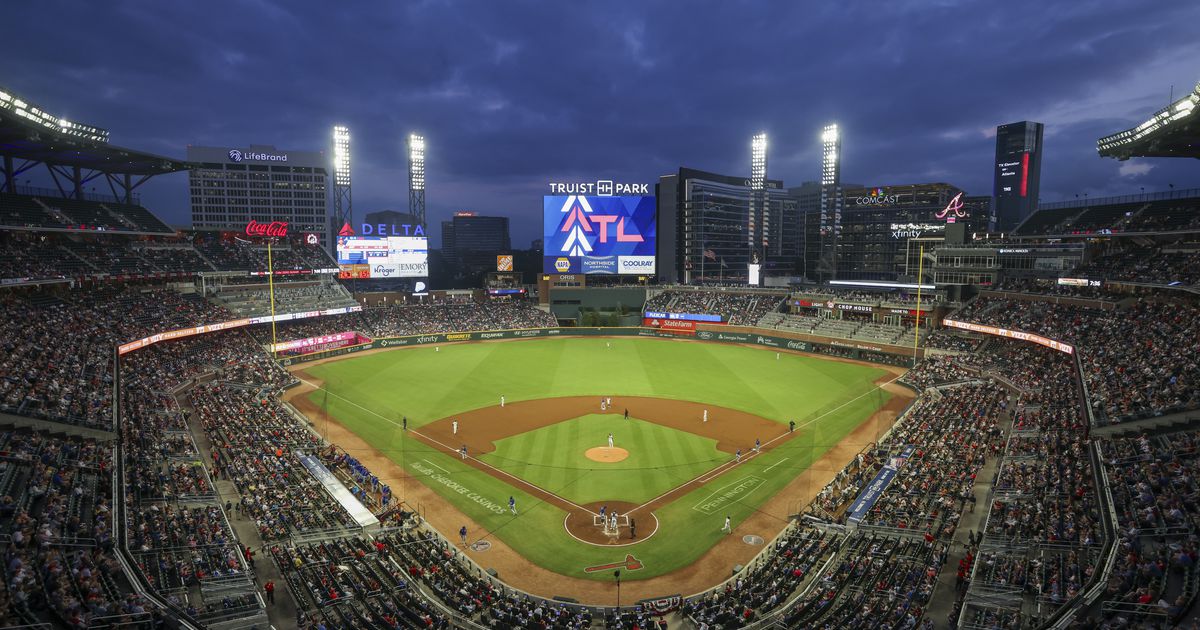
[[512, 504]]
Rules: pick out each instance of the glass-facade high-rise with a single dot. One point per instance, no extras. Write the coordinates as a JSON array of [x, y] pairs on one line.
[[1018, 173]]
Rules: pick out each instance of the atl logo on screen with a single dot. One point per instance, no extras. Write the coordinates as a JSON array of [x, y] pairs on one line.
[[581, 221]]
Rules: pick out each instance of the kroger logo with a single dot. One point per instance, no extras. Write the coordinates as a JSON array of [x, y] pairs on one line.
[[235, 155]]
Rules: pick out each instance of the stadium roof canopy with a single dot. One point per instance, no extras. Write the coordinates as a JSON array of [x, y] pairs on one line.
[[74, 153], [1173, 131]]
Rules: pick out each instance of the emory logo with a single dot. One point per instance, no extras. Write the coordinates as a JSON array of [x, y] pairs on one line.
[[562, 265], [235, 155]]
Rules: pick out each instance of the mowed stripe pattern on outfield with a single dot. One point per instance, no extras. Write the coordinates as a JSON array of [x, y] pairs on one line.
[[552, 457], [426, 384]]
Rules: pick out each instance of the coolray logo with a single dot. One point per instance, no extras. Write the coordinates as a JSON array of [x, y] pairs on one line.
[[953, 210], [274, 228], [563, 265], [580, 221], [427, 339], [600, 188], [235, 155], [635, 264], [797, 345], [383, 272], [494, 335]]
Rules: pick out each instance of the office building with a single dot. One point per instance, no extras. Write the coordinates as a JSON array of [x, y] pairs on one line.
[[470, 242], [1018, 174], [231, 186]]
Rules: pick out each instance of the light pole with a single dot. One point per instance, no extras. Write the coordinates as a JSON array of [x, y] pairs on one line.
[[617, 577]]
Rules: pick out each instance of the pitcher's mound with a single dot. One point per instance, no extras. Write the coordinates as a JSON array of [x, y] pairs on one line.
[[607, 455]]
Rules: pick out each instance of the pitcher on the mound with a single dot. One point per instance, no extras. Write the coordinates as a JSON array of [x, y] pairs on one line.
[[610, 440]]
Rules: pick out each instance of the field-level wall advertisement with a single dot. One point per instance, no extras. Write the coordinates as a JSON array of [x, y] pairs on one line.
[[599, 235]]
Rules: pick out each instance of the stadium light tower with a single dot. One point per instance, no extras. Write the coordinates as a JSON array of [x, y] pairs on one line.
[[416, 177], [831, 200], [343, 212], [759, 216]]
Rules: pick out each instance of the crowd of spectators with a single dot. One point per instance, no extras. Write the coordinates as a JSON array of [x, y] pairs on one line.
[[1169, 266], [1154, 489], [1138, 361], [868, 297], [742, 309]]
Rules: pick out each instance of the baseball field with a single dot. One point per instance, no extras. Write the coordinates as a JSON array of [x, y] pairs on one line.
[[684, 419]]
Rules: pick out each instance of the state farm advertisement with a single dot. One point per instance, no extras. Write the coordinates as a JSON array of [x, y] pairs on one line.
[[681, 326]]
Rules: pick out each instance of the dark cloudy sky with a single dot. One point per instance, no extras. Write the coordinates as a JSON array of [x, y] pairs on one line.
[[511, 94]]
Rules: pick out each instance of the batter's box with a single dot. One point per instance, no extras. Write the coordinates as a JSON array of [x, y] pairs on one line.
[[728, 494]]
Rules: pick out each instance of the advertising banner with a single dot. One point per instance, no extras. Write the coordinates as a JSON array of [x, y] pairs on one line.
[[695, 317], [599, 234], [383, 256], [675, 325], [870, 495], [1012, 334], [314, 341]]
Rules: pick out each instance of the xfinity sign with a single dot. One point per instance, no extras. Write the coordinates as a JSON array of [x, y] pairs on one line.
[[600, 188], [236, 155]]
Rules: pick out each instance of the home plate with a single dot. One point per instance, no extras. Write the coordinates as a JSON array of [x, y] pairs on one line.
[[751, 539]]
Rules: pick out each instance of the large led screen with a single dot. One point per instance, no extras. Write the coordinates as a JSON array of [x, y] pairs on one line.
[[383, 256], [599, 235]]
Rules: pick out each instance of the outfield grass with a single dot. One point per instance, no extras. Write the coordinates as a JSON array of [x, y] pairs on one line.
[[660, 458], [370, 393]]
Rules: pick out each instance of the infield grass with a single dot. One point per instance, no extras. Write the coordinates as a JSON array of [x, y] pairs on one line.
[[368, 394]]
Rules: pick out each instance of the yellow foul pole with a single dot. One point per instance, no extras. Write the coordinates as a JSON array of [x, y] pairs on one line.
[[271, 286], [920, 278]]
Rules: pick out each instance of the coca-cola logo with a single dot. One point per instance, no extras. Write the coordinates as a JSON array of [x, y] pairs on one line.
[[274, 228]]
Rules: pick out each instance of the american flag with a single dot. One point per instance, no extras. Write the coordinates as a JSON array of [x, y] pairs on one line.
[[710, 254]]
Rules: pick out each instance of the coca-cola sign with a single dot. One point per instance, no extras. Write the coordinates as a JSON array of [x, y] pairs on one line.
[[274, 228]]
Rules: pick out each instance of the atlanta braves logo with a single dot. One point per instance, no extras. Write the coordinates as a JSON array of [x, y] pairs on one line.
[[955, 206]]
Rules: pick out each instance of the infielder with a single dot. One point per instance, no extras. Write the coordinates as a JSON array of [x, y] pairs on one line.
[[454, 427], [757, 445], [610, 441], [706, 415], [502, 400], [738, 456], [728, 528], [462, 452]]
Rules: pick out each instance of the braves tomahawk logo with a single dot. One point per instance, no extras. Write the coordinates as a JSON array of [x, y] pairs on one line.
[[955, 206], [579, 223]]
